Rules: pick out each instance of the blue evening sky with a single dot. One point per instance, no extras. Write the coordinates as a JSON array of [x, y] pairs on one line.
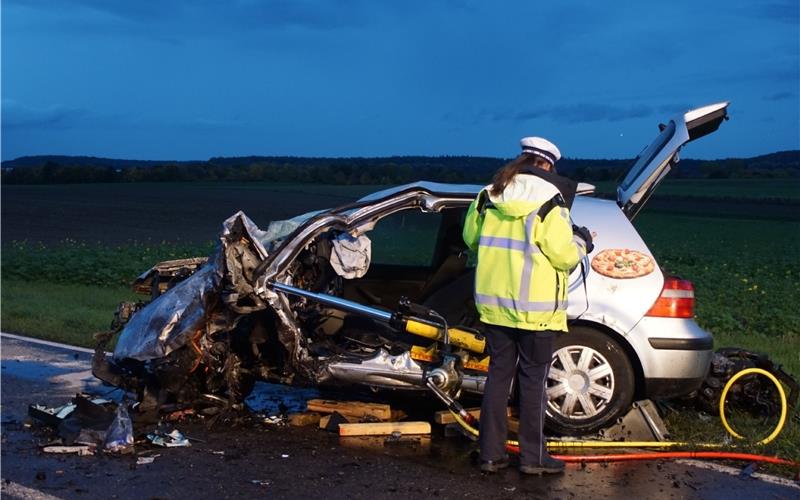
[[191, 79]]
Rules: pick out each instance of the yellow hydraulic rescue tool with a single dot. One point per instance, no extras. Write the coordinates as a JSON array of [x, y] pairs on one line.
[[411, 318]]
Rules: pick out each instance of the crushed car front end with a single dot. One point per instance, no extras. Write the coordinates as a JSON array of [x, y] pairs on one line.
[[215, 325]]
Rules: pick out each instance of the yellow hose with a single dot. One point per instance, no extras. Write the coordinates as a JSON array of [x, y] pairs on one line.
[[664, 444], [590, 444], [737, 376], [625, 444]]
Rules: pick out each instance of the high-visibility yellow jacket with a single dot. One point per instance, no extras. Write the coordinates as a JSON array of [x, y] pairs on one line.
[[526, 249]]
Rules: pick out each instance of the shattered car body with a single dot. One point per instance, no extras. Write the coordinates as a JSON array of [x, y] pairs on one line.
[[216, 325]]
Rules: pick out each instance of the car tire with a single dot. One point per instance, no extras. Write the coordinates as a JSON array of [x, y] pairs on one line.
[[591, 382]]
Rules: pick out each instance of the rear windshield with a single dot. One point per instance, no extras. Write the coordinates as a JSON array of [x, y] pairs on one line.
[[646, 156]]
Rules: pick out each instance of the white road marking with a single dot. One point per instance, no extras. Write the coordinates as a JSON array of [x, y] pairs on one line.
[[47, 343], [16, 490], [735, 472]]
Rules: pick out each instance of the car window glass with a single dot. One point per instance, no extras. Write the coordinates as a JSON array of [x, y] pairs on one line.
[[405, 238], [648, 154]]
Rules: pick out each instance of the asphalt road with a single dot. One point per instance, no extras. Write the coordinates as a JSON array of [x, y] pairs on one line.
[[252, 458]]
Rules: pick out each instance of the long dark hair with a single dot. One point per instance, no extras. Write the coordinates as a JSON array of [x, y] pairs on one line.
[[503, 176]]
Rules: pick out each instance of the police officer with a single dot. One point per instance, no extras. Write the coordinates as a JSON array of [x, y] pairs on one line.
[[520, 227]]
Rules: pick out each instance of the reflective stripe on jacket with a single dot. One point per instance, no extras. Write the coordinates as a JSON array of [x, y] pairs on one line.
[[524, 257]]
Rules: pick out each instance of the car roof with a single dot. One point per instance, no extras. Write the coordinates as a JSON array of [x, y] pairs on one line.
[[444, 189], [466, 190]]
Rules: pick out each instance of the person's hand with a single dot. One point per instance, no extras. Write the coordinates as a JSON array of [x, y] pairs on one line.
[[584, 234]]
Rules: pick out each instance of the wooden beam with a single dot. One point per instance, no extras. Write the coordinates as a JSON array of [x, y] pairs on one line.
[[445, 417], [323, 422], [384, 428], [406, 445], [355, 409]]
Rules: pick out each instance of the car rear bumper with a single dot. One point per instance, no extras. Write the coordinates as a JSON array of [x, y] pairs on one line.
[[664, 388], [675, 354]]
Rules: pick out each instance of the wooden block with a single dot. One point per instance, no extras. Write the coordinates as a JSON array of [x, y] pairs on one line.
[[445, 417], [355, 409], [325, 421], [398, 415], [384, 428], [304, 419], [412, 445]]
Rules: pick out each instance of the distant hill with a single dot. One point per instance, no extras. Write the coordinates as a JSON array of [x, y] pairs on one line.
[[55, 169], [86, 161]]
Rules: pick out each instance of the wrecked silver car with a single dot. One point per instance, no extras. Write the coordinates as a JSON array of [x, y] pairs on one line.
[[379, 293]]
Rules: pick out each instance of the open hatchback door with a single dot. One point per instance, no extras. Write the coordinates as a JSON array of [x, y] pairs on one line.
[[657, 159]]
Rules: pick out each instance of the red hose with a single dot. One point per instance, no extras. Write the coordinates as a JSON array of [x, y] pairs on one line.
[[662, 455]]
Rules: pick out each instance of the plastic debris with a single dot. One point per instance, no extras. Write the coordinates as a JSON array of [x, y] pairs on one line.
[[275, 420], [173, 439], [81, 451], [261, 482], [119, 437], [146, 460]]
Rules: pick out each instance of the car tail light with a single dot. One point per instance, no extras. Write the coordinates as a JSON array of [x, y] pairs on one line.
[[676, 299]]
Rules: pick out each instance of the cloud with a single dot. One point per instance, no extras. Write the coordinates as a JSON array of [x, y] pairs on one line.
[[17, 116], [578, 113]]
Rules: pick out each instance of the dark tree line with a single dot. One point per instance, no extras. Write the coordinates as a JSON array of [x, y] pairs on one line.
[[390, 170]]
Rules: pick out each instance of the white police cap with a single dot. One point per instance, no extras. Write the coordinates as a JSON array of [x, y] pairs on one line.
[[540, 147]]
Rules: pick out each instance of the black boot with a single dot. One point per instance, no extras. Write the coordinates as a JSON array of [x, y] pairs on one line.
[[549, 465], [494, 465]]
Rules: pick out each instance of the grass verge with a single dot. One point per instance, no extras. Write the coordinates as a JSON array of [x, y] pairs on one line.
[[61, 312]]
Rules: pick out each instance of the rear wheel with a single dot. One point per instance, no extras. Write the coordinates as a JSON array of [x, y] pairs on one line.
[[590, 384]]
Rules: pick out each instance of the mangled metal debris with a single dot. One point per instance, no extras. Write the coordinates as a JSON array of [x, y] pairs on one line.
[[85, 421], [213, 327], [752, 393], [171, 439]]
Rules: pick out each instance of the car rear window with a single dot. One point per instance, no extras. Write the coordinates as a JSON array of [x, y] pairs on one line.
[[646, 156]]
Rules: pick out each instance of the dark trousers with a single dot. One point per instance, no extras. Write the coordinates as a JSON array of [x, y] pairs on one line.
[[526, 353]]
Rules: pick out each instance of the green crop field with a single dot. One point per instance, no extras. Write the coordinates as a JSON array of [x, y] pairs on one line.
[[745, 267], [735, 189]]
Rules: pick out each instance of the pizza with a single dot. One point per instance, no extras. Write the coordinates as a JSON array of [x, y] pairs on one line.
[[622, 263]]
